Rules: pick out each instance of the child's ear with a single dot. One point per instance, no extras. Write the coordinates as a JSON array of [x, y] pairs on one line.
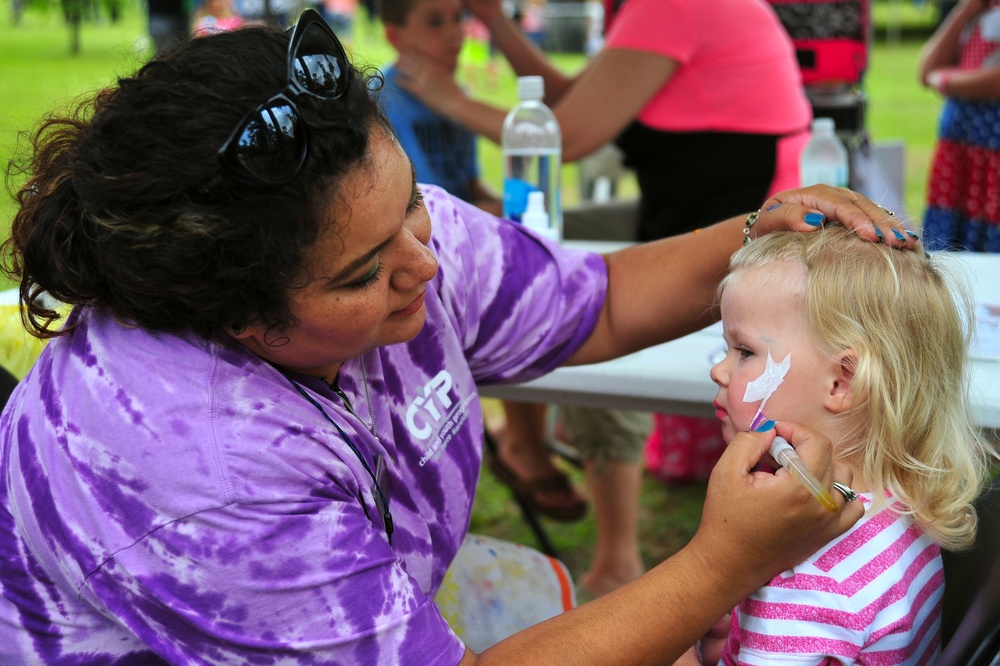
[[841, 394], [392, 35]]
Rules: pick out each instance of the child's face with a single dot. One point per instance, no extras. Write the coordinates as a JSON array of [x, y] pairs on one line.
[[434, 30], [772, 318]]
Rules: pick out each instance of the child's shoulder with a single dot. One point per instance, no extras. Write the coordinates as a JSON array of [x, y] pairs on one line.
[[885, 540]]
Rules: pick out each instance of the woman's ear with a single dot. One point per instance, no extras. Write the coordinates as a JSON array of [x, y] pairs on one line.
[[841, 395]]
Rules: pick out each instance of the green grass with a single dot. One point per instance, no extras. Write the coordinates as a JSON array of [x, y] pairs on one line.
[[37, 73]]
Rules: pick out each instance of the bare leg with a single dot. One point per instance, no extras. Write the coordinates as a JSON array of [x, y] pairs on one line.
[[610, 442], [614, 487]]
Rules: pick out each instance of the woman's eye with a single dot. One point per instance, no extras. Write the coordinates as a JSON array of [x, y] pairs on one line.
[[368, 280], [416, 201]]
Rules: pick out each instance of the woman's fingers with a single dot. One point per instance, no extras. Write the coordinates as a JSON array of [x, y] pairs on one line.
[[772, 521], [810, 208]]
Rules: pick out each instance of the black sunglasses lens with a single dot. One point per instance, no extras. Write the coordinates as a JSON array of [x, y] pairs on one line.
[[319, 65], [272, 144]]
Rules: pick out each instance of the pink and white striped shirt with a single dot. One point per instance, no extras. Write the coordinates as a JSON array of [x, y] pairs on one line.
[[872, 597]]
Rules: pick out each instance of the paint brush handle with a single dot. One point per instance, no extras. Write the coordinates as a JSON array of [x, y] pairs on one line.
[[783, 452]]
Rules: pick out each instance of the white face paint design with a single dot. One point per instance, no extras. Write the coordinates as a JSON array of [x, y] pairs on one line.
[[762, 387]]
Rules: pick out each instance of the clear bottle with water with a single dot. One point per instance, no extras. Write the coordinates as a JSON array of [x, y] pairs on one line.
[[532, 150], [824, 159]]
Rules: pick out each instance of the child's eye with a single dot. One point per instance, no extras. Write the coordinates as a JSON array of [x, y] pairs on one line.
[[744, 353]]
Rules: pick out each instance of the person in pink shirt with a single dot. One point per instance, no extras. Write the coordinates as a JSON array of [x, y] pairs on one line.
[[867, 346]]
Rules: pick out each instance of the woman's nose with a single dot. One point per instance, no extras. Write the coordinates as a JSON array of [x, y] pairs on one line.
[[419, 266]]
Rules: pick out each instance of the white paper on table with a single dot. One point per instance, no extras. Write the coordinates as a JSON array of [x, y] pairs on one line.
[[986, 343]]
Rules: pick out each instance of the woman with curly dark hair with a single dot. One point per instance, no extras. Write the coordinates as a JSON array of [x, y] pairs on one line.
[[256, 438]]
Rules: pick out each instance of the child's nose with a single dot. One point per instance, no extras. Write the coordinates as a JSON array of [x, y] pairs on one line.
[[718, 374]]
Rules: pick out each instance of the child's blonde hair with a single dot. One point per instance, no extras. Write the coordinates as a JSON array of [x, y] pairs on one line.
[[910, 323]]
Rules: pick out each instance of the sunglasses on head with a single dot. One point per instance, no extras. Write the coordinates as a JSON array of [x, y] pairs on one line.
[[269, 146]]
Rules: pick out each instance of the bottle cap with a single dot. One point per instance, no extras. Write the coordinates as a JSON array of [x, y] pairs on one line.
[[823, 124], [530, 87]]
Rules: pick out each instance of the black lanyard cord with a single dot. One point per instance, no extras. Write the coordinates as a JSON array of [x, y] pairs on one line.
[[386, 516]]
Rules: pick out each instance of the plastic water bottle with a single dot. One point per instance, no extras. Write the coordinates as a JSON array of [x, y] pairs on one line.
[[532, 149], [825, 158]]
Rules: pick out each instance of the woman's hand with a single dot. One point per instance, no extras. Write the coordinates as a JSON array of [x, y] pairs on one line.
[[485, 10], [429, 83], [754, 524], [807, 209]]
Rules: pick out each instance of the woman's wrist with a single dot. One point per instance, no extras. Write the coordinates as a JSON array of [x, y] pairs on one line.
[[748, 226], [493, 18]]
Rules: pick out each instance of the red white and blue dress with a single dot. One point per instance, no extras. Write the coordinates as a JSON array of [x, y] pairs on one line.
[[963, 197]]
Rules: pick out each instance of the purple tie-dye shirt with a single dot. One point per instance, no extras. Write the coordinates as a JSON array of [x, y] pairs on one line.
[[175, 498]]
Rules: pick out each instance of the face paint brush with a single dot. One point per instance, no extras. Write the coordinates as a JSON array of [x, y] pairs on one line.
[[786, 456], [763, 388]]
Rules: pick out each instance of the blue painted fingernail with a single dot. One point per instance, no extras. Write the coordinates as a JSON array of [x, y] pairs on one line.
[[899, 236], [912, 235], [881, 238], [772, 207], [765, 426], [815, 219]]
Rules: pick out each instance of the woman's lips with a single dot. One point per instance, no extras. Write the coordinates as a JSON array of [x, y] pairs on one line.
[[412, 307]]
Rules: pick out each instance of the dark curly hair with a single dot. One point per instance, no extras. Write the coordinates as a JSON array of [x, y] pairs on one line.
[[115, 212]]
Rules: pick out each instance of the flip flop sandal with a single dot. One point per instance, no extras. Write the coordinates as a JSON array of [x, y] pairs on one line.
[[526, 492]]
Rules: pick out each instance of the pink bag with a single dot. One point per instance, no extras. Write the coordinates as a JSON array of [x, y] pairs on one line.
[[683, 448], [831, 37]]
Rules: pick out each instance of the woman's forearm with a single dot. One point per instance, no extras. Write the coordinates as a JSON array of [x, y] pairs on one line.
[[526, 58], [654, 619], [478, 117], [665, 289]]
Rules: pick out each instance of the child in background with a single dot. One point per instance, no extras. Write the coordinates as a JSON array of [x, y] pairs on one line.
[[216, 16], [961, 61], [340, 15], [443, 152], [875, 350], [533, 21]]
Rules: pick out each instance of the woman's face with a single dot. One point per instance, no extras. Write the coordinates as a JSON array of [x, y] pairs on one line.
[[366, 276]]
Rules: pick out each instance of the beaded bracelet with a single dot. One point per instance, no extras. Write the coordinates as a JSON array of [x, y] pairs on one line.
[[751, 220], [942, 82]]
